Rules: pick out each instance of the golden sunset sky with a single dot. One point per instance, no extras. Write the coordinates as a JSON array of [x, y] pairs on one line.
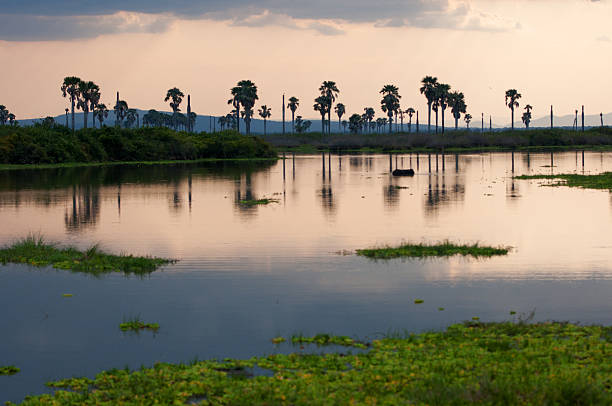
[[553, 52]]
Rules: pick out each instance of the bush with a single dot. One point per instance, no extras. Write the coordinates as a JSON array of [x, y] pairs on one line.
[[40, 144]]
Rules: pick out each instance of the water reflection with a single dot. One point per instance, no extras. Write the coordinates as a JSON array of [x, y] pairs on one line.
[[85, 209], [440, 193]]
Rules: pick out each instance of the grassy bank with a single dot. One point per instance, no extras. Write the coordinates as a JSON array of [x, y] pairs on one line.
[[471, 363], [600, 181], [443, 249], [34, 250], [38, 144], [451, 141]]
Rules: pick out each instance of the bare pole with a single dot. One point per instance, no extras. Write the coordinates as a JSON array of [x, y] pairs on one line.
[[283, 114], [583, 118]]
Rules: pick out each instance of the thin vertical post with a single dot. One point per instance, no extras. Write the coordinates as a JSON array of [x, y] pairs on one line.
[[283, 113], [189, 129], [582, 118], [551, 117], [490, 124], [482, 122]]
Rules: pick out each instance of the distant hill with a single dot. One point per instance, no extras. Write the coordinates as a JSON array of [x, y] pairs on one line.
[[208, 123]]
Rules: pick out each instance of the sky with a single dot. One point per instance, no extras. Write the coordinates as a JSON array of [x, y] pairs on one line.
[[555, 52]]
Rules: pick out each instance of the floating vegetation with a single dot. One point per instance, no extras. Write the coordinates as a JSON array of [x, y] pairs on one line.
[[136, 324], [258, 202], [9, 370], [440, 309], [278, 340], [600, 181], [399, 187], [326, 339], [418, 301], [67, 295], [443, 249], [470, 363], [34, 250]]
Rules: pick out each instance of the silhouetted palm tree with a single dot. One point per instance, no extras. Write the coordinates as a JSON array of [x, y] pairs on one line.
[[131, 117], [468, 120], [344, 124], [121, 108], [322, 105], [4, 114], [265, 113], [330, 91], [101, 113], [527, 116], [70, 87], [428, 89], [390, 102], [355, 123], [245, 95], [442, 92], [191, 119], [410, 111], [456, 101], [11, 119], [67, 110], [293, 104], [95, 100], [511, 101], [88, 91], [369, 114], [340, 110], [176, 96]]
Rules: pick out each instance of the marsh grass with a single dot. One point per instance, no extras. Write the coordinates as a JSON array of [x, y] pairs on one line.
[[441, 249], [327, 339], [136, 324], [9, 370], [470, 363], [258, 202], [34, 250], [600, 181]]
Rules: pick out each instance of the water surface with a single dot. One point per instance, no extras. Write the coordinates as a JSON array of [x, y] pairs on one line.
[[247, 274]]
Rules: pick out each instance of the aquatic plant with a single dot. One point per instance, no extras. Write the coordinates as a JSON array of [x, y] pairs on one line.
[[34, 250], [258, 202], [326, 339], [470, 363], [441, 249], [9, 370], [599, 181], [135, 324]]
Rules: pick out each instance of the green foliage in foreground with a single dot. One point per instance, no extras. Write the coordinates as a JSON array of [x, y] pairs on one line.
[[472, 363], [258, 202], [136, 325], [51, 145], [9, 370], [33, 250], [326, 339], [443, 249], [601, 181]]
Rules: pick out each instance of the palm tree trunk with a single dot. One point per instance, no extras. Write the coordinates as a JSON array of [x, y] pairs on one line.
[[85, 112], [410, 125], [443, 109], [265, 129], [292, 122], [323, 124], [72, 98], [339, 123], [390, 123], [456, 123], [429, 117], [238, 118], [512, 109], [436, 122], [329, 119]]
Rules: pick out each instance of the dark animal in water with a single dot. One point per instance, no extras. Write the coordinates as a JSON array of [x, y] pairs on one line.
[[403, 172]]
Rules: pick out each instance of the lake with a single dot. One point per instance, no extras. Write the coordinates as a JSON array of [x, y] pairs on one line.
[[247, 274]]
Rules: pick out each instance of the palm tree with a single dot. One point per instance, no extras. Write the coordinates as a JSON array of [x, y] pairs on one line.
[[100, 112], [456, 101], [340, 110], [428, 89], [131, 117], [442, 92], [121, 109], [390, 102], [511, 101], [176, 96], [265, 113], [67, 110], [330, 91], [293, 104], [355, 123], [70, 87], [88, 91], [11, 119], [369, 114], [95, 99], [4, 114], [344, 124], [244, 94], [191, 119], [410, 111], [527, 116], [468, 119], [321, 105]]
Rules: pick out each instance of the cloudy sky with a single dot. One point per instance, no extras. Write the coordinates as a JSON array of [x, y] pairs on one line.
[[553, 51]]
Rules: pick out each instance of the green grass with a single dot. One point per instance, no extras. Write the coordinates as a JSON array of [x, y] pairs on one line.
[[135, 324], [600, 181], [326, 339], [9, 370], [471, 363], [258, 202], [34, 250], [442, 249]]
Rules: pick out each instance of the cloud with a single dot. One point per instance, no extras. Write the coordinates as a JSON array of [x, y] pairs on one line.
[[67, 19]]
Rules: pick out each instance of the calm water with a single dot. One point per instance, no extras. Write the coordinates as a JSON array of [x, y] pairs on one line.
[[247, 274]]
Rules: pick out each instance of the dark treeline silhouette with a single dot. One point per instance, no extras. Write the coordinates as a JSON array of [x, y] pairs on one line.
[[40, 144]]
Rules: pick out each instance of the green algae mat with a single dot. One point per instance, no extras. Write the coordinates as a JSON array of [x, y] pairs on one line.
[[471, 363]]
